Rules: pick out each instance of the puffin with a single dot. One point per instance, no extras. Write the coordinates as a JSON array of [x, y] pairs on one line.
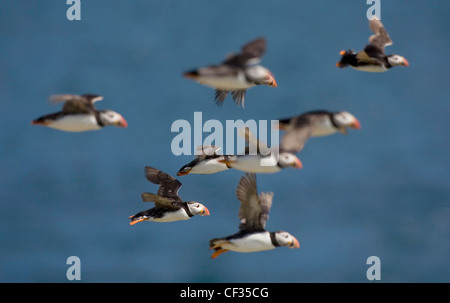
[[265, 164], [206, 163], [78, 114], [236, 74], [373, 57], [299, 129], [168, 205], [253, 215], [259, 158]]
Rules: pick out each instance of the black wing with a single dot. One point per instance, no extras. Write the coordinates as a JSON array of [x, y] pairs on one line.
[[250, 53], [76, 104], [168, 186], [379, 40], [298, 130]]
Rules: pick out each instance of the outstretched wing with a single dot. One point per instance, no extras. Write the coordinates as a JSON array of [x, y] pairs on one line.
[[251, 53], [160, 202], [168, 186], [76, 104], [254, 145], [298, 130], [379, 40], [208, 150], [254, 210]]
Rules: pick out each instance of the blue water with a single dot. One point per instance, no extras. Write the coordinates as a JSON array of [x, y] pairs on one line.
[[381, 191]]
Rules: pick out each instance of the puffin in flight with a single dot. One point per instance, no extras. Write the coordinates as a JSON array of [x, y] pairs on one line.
[[318, 123], [78, 114], [259, 158], [253, 214], [373, 57], [236, 74], [168, 205], [206, 163]]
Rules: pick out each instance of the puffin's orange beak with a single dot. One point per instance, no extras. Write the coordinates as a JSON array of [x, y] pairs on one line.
[[297, 163], [295, 243], [356, 124], [405, 62], [271, 82], [205, 212], [122, 122], [274, 83]]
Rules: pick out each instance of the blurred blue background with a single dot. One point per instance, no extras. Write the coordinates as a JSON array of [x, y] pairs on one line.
[[382, 191]]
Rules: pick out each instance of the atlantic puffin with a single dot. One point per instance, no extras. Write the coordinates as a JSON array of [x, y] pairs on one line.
[[168, 205], [253, 215], [206, 163], [236, 74], [259, 158], [78, 114], [373, 57], [265, 164], [299, 129]]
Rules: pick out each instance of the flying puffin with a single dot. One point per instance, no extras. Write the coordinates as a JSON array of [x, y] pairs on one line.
[[206, 163], [265, 164], [168, 205], [319, 123], [79, 114], [259, 158], [253, 214], [236, 74], [372, 58]]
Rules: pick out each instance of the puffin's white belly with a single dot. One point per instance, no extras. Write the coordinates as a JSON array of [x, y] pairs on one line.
[[371, 68], [210, 166], [225, 82], [251, 243], [256, 164], [172, 216], [75, 123]]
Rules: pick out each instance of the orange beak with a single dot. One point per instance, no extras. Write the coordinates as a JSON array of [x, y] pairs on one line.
[[295, 243], [356, 124], [405, 62], [122, 122], [205, 212], [274, 83], [342, 52], [297, 164]]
